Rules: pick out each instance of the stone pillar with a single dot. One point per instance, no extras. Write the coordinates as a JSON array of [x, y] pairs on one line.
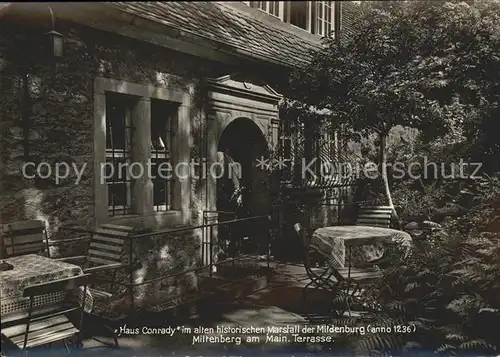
[[182, 182], [142, 189], [212, 138], [100, 188]]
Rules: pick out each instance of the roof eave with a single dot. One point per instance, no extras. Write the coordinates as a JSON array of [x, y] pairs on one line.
[[217, 45], [106, 17]]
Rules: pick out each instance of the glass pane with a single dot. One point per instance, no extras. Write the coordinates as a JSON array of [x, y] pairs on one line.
[[298, 13], [160, 168], [119, 193], [162, 114], [160, 192], [116, 169], [116, 112], [110, 194], [274, 8]]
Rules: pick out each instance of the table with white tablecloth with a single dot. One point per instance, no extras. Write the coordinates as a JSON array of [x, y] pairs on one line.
[[366, 243], [35, 269]]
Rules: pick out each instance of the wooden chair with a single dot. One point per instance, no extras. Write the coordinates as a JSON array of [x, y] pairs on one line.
[[104, 254], [24, 237], [375, 216], [104, 251], [47, 324], [346, 282]]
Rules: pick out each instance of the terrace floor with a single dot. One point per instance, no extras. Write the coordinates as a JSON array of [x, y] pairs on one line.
[[279, 303]]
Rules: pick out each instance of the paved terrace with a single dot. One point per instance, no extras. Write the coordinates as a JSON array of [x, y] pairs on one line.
[[278, 304]]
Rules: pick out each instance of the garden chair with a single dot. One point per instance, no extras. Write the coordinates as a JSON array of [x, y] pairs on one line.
[[376, 216], [104, 254], [45, 325], [24, 237], [344, 282], [104, 251]]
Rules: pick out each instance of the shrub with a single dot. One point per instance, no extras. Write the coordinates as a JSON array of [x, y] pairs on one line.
[[447, 290]]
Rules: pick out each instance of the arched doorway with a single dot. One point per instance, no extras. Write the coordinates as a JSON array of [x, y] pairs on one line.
[[240, 146], [244, 186]]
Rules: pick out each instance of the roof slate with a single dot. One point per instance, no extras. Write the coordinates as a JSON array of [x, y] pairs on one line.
[[351, 12], [221, 23]]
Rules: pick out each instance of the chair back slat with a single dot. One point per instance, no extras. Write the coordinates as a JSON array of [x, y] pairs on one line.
[[23, 237], [104, 254], [101, 261], [24, 225], [116, 227], [56, 286], [106, 244], [379, 216]]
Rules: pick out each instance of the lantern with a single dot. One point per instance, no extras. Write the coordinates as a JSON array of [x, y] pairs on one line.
[[56, 43]]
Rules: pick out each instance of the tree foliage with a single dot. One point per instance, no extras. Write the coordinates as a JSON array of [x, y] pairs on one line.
[[427, 65], [447, 290], [435, 67]]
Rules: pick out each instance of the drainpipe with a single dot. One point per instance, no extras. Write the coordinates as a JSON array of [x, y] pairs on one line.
[[337, 20]]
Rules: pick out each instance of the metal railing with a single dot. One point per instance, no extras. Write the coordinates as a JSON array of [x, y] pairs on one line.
[[209, 239]]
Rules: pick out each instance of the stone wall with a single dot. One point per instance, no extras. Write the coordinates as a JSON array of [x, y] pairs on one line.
[[168, 256], [47, 116], [59, 112]]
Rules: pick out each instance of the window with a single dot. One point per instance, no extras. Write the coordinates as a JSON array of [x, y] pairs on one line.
[[162, 116], [274, 8], [324, 11], [118, 150], [299, 14]]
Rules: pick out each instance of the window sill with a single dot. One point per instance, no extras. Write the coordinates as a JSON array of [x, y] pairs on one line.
[[300, 28], [151, 220], [268, 13]]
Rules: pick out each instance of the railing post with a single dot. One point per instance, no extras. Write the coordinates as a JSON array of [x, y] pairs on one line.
[[131, 274], [233, 244], [203, 239], [269, 240], [211, 250]]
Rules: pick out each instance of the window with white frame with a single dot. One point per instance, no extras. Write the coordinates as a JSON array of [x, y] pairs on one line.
[[324, 18], [118, 153], [316, 17], [274, 8], [299, 14], [163, 115]]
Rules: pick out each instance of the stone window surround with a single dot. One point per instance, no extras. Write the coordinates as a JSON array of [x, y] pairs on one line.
[[142, 189]]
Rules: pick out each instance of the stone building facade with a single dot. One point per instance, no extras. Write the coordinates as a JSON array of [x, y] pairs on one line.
[[134, 82]]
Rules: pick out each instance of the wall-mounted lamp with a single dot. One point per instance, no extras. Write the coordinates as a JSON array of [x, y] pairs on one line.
[[55, 38]]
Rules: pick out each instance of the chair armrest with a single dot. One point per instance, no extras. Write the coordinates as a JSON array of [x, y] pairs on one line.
[[65, 259], [103, 267]]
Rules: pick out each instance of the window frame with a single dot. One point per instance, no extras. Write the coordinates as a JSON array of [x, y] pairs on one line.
[[142, 190], [309, 16], [267, 7], [126, 153], [321, 23], [167, 154]]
